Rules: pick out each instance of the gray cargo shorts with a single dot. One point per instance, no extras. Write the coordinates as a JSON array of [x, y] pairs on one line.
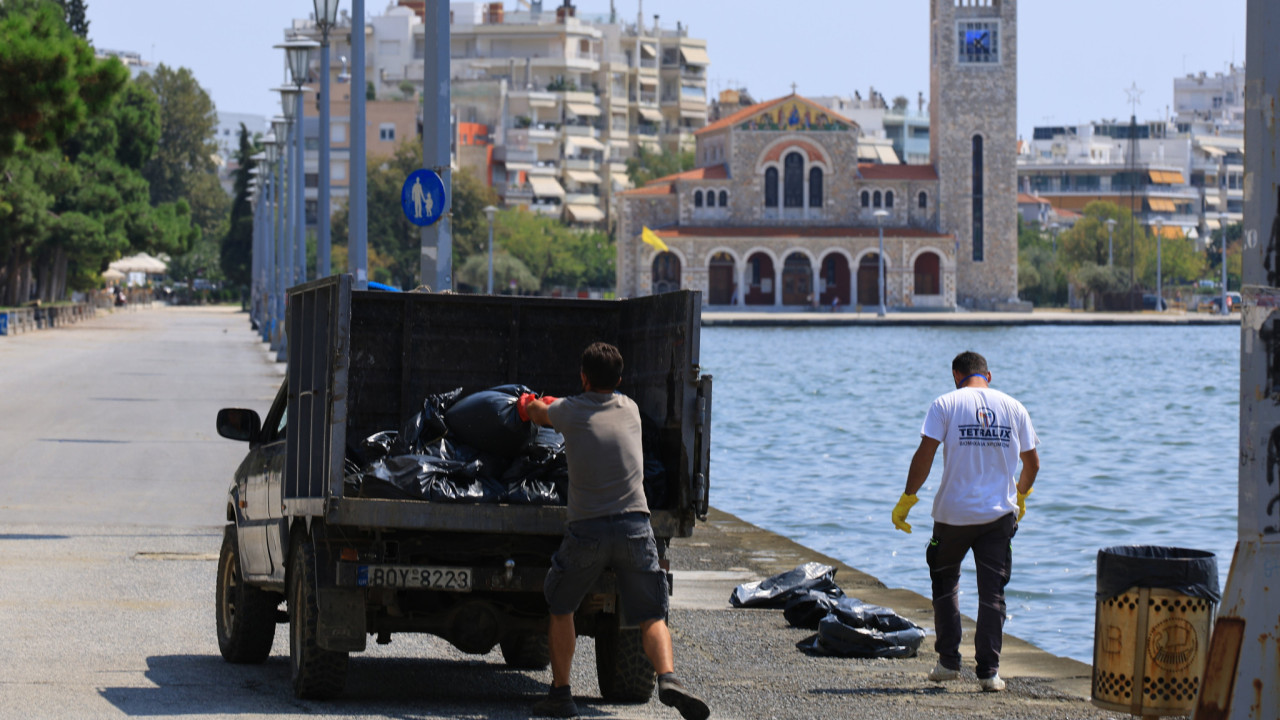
[[623, 543]]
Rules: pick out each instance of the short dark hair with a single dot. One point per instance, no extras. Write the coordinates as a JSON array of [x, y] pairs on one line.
[[602, 364], [968, 363]]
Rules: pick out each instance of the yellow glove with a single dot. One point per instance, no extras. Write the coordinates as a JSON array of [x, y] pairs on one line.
[[1022, 503], [900, 512]]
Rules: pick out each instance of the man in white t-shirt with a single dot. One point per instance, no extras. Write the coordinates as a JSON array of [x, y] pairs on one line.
[[979, 502]]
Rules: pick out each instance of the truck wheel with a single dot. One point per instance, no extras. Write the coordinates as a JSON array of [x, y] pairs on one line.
[[246, 614], [318, 674], [527, 651], [622, 669]]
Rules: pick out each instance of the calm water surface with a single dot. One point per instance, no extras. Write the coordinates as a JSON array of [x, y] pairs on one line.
[[813, 430]]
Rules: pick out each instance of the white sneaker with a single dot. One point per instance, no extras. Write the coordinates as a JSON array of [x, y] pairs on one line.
[[939, 673], [991, 684]]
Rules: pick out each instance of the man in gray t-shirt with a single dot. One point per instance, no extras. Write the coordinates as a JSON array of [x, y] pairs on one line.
[[608, 529]]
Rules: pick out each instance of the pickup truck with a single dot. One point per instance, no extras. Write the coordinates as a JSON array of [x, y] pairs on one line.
[[299, 549]]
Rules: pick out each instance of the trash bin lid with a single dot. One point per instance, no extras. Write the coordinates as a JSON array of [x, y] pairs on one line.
[[1190, 572]]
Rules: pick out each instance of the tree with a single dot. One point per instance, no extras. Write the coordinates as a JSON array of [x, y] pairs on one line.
[[188, 124], [74, 14], [1040, 279], [49, 79], [648, 165], [557, 255], [237, 245]]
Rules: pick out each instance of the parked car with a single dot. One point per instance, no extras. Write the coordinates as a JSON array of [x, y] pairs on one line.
[[1233, 302]]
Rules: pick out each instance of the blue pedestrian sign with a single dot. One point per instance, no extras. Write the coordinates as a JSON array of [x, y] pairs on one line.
[[422, 197]]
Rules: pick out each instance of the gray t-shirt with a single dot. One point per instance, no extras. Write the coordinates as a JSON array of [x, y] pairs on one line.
[[606, 460]]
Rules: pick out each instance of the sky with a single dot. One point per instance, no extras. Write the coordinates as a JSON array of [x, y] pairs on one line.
[[1075, 58]]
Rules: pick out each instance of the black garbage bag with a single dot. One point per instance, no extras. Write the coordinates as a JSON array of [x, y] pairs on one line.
[[427, 477], [774, 592], [655, 472], [428, 424], [540, 475], [837, 636], [1190, 572], [362, 453], [807, 610], [488, 421]]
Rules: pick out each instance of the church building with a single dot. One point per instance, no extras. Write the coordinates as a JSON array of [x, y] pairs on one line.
[[780, 212]]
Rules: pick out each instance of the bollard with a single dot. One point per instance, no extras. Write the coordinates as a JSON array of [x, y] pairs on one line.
[[1153, 619]]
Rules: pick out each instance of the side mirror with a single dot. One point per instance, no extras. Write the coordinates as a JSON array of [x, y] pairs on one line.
[[239, 424]]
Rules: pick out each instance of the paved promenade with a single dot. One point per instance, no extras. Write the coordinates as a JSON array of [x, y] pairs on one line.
[[111, 519]]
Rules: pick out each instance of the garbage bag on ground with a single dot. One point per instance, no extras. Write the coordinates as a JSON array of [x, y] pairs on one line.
[[843, 635], [806, 610], [427, 424], [774, 592], [488, 421]]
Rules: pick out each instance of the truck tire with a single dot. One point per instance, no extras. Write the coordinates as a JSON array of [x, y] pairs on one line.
[[622, 669], [527, 651], [317, 674], [246, 615]]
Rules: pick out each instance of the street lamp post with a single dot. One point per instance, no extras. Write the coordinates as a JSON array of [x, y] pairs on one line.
[[298, 54], [489, 212], [357, 201], [1159, 223], [272, 152], [1222, 228], [880, 215], [1053, 236], [1111, 231], [326, 17], [280, 265]]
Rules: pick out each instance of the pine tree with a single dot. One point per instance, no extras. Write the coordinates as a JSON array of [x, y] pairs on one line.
[[237, 246], [76, 14]]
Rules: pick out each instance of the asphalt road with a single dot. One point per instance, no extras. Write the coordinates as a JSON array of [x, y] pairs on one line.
[[111, 501]]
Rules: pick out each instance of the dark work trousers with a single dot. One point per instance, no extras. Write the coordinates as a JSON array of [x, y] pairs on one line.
[[993, 554]]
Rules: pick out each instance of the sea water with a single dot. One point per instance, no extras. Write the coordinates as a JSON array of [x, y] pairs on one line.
[[813, 430]]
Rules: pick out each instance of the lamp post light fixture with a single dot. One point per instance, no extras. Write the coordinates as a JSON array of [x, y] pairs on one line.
[[489, 212], [1159, 223], [326, 18], [1053, 236], [1111, 231], [880, 215], [1222, 228], [297, 53], [291, 99]]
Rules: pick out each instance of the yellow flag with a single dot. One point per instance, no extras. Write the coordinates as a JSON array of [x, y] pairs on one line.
[[651, 238]]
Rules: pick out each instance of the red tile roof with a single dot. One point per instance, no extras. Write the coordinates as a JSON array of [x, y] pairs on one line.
[[872, 171], [1025, 199], [666, 185], [798, 232]]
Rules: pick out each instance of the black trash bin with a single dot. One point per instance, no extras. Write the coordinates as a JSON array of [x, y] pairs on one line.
[[1155, 608]]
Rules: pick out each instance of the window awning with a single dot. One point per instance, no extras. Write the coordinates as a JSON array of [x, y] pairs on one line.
[[1161, 205], [546, 186], [887, 154], [620, 181], [584, 176], [686, 111], [1212, 224], [1212, 200], [695, 56], [542, 102], [585, 213], [583, 109], [867, 152], [518, 166], [1164, 177], [647, 50], [588, 143], [1212, 151], [1175, 178], [651, 114], [646, 80]]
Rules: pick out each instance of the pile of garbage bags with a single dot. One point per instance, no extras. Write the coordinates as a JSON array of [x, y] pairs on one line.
[[847, 627], [473, 449]]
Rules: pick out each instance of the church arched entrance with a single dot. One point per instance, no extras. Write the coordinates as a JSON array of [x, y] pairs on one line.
[[833, 279], [869, 280], [797, 280], [666, 273], [928, 274], [759, 280], [721, 280]]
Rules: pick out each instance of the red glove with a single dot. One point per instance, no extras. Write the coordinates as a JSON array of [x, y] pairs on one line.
[[522, 405], [548, 399]]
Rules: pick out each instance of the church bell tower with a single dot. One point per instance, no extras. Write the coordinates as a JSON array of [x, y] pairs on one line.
[[973, 114]]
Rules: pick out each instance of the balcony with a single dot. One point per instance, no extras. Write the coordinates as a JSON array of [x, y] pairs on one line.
[[644, 98], [545, 167], [514, 193], [582, 198], [575, 130], [581, 164]]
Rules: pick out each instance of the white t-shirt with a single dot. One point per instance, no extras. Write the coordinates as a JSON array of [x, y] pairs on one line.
[[982, 432]]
